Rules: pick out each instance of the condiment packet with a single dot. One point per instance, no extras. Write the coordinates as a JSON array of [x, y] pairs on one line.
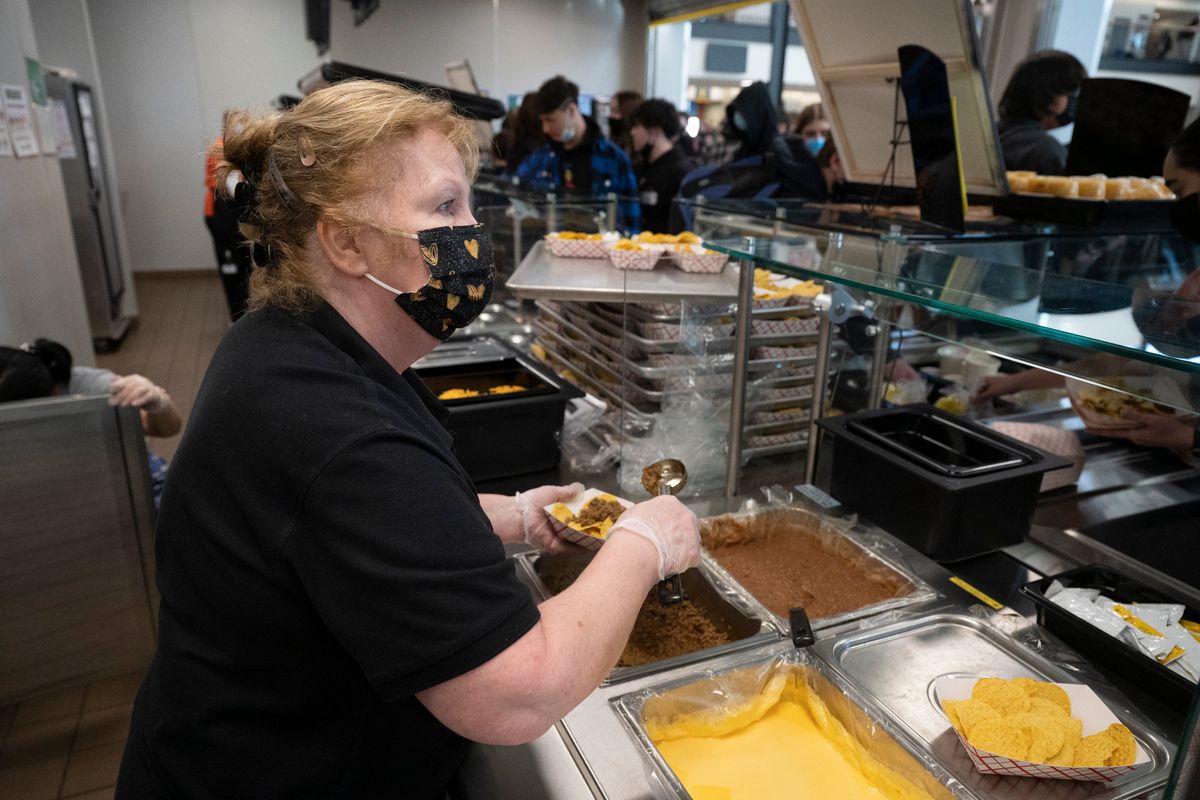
[[1083, 608], [1160, 615]]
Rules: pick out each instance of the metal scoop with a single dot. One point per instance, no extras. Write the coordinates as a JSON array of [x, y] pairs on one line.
[[667, 476]]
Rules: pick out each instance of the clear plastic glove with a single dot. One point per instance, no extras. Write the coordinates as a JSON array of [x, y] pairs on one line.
[[535, 523], [670, 526]]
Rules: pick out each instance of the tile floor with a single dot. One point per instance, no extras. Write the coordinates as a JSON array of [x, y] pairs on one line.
[[66, 743]]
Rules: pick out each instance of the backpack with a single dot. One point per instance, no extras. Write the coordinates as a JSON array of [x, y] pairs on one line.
[[749, 177]]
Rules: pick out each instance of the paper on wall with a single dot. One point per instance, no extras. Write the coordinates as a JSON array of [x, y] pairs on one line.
[[5, 141], [45, 127], [62, 129], [20, 121]]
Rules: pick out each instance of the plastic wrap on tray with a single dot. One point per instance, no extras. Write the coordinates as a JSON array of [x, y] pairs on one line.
[[840, 739], [785, 556]]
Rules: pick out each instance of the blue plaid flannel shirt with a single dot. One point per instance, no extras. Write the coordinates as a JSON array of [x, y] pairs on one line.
[[611, 172]]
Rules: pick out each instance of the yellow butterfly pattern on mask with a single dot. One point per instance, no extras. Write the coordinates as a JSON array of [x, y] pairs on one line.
[[476, 291], [452, 301]]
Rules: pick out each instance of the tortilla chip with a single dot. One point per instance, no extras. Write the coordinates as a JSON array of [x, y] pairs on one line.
[[1039, 690], [1045, 738], [951, 709], [1095, 750], [1126, 747], [972, 712], [1002, 737], [1006, 697], [1047, 708]]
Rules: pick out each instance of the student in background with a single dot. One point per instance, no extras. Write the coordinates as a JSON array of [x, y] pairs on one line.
[[661, 165], [578, 157], [44, 368], [1040, 96], [527, 134], [621, 109], [813, 127], [233, 255]]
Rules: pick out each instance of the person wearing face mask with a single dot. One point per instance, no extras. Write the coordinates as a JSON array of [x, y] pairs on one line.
[[621, 108], [654, 129], [338, 619], [1040, 96], [578, 158], [813, 127]]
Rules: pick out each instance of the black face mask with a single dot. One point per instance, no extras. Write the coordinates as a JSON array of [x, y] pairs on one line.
[[1185, 217], [1068, 114], [616, 128]]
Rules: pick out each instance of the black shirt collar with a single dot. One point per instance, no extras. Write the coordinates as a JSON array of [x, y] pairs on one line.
[[334, 327]]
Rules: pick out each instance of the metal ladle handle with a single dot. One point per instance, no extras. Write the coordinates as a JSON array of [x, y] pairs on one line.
[[670, 589]]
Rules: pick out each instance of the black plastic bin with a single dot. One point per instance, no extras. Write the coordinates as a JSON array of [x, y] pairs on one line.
[[1107, 650], [951, 488], [503, 435]]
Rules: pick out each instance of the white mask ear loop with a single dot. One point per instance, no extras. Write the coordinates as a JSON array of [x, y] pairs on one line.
[[372, 278], [383, 285]]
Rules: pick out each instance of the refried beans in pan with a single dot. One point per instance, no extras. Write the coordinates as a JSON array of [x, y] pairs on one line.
[[785, 560]]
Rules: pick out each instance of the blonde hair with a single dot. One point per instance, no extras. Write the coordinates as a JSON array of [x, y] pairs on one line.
[[320, 160]]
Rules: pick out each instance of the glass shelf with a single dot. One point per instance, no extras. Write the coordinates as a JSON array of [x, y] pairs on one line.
[[1113, 294], [856, 218]]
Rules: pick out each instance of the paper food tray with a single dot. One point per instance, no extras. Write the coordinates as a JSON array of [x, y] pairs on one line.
[[1163, 390], [1085, 706], [575, 504], [579, 248]]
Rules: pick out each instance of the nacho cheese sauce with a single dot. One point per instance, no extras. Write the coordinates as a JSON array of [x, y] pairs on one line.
[[796, 749]]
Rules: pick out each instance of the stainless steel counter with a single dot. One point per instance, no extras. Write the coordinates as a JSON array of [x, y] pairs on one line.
[[542, 276], [593, 742]]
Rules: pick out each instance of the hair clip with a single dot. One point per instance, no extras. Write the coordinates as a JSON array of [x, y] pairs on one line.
[[308, 156], [245, 198]]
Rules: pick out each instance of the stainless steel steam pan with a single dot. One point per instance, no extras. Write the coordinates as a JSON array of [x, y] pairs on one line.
[[747, 626], [898, 664]]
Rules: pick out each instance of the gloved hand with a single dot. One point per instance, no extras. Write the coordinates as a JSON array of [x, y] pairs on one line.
[[536, 523], [670, 526]]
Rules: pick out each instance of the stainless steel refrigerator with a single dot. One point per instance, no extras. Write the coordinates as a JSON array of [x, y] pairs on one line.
[[89, 202]]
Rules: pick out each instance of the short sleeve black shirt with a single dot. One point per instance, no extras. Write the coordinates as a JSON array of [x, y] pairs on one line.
[[321, 557]]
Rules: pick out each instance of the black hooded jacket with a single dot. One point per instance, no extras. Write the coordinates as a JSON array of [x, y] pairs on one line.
[[751, 120]]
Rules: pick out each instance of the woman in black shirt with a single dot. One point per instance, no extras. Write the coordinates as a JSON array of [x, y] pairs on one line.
[[337, 617]]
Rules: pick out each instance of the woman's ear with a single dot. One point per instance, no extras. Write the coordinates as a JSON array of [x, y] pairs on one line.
[[343, 247]]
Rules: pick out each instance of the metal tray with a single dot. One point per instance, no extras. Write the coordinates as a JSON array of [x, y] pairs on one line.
[[921, 591], [658, 373], [898, 664], [753, 628], [603, 358], [670, 345], [854, 711]]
